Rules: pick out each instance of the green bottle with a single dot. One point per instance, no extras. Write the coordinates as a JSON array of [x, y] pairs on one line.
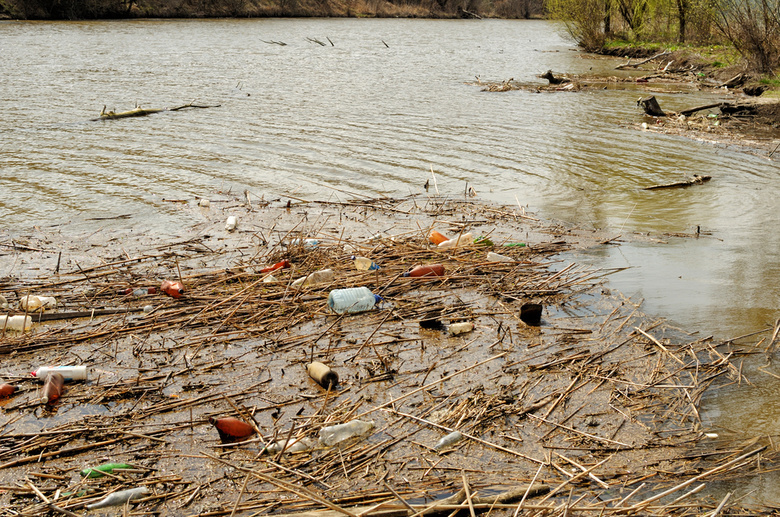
[[101, 470]]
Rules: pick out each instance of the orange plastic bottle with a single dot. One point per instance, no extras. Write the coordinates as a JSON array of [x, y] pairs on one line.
[[174, 289], [232, 429], [6, 390], [428, 270], [279, 265], [52, 388], [436, 237]]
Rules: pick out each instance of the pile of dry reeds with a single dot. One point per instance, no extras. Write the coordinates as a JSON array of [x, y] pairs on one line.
[[594, 412]]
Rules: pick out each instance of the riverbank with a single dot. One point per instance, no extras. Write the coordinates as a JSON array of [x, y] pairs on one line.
[[593, 406]]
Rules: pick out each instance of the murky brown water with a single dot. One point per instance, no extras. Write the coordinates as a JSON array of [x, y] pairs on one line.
[[371, 114]]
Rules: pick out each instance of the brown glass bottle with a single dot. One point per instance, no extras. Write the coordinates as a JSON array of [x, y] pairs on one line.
[[428, 270], [232, 429], [52, 387]]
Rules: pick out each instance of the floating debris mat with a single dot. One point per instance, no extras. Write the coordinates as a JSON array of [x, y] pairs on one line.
[[368, 357]]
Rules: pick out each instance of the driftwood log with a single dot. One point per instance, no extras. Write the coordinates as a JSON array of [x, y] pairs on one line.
[[695, 180]]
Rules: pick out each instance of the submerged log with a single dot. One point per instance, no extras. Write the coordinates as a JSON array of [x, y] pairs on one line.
[[651, 106], [696, 180]]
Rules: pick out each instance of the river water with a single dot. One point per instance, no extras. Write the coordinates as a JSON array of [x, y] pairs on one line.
[[370, 112]]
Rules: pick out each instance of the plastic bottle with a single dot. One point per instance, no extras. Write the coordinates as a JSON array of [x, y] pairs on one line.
[[495, 257], [174, 289], [6, 390], [279, 265], [448, 440], [293, 446], [52, 388], [3, 302], [18, 323], [427, 270], [334, 434], [460, 328], [120, 497], [318, 277], [101, 470], [203, 202], [69, 373], [323, 375], [461, 240], [31, 303], [352, 300], [232, 429], [308, 243], [138, 292], [436, 237], [364, 264], [515, 245], [231, 223]]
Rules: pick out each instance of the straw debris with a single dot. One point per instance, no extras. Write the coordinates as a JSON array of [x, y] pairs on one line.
[[593, 412]]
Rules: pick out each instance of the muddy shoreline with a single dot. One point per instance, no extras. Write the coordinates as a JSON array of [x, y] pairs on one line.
[[596, 404]]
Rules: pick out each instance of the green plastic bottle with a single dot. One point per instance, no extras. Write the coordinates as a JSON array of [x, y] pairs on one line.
[[101, 470]]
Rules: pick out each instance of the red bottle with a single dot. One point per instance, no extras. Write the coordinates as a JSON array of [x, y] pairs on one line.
[[232, 429], [53, 387], [436, 237], [174, 289], [6, 390], [279, 265], [427, 270]]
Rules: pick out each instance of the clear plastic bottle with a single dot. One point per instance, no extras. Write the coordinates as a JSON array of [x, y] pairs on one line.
[[69, 373], [495, 257], [448, 440], [351, 300], [318, 277], [460, 240], [364, 264], [334, 434], [19, 323]]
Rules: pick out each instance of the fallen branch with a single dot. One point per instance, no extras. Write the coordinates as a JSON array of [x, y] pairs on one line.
[[640, 63], [142, 112]]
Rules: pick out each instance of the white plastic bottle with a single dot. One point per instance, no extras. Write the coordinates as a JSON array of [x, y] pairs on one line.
[[69, 373], [231, 223], [351, 300], [3, 302], [293, 446], [495, 257], [460, 328], [20, 323], [318, 277], [120, 497], [446, 441], [364, 264], [460, 240], [307, 243], [331, 435]]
